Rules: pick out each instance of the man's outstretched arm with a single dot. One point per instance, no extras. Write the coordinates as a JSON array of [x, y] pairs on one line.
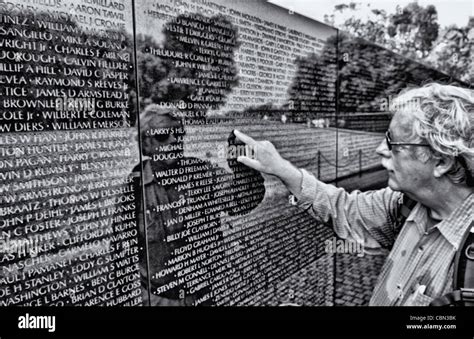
[[367, 218]]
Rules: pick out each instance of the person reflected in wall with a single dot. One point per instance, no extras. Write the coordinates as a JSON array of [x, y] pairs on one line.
[[185, 198]]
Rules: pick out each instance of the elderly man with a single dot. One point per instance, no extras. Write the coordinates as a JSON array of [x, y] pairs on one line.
[[185, 198], [428, 153]]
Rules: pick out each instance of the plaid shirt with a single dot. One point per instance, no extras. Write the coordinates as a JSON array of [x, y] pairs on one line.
[[419, 267]]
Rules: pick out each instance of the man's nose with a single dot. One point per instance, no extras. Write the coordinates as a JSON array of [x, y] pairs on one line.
[[382, 149]]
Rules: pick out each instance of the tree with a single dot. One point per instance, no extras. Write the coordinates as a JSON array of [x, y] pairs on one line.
[[196, 77], [414, 29], [373, 29], [452, 53], [410, 31], [413, 32], [312, 94]]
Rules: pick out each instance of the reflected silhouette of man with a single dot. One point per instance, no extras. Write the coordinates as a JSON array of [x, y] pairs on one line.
[[185, 198]]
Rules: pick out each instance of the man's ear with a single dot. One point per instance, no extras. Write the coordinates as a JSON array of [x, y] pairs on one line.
[[443, 165]]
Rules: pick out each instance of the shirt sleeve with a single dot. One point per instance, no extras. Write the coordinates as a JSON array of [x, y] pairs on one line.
[[369, 218]]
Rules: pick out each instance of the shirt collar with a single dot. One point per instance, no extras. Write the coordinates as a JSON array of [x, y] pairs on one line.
[[418, 215], [452, 228]]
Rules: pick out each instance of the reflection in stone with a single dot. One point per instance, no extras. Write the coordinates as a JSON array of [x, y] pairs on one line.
[[185, 198], [194, 69], [68, 232], [189, 68]]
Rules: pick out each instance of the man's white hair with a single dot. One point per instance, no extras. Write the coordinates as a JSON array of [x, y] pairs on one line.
[[444, 118]]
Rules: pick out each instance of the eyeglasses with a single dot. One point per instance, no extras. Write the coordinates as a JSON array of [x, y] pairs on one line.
[[390, 143]]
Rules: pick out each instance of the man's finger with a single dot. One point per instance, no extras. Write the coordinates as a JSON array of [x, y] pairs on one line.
[[252, 163], [245, 138]]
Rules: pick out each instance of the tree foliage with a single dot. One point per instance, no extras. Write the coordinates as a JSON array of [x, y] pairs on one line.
[[453, 53], [413, 31]]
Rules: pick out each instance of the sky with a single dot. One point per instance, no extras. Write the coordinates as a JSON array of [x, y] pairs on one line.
[[449, 11]]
